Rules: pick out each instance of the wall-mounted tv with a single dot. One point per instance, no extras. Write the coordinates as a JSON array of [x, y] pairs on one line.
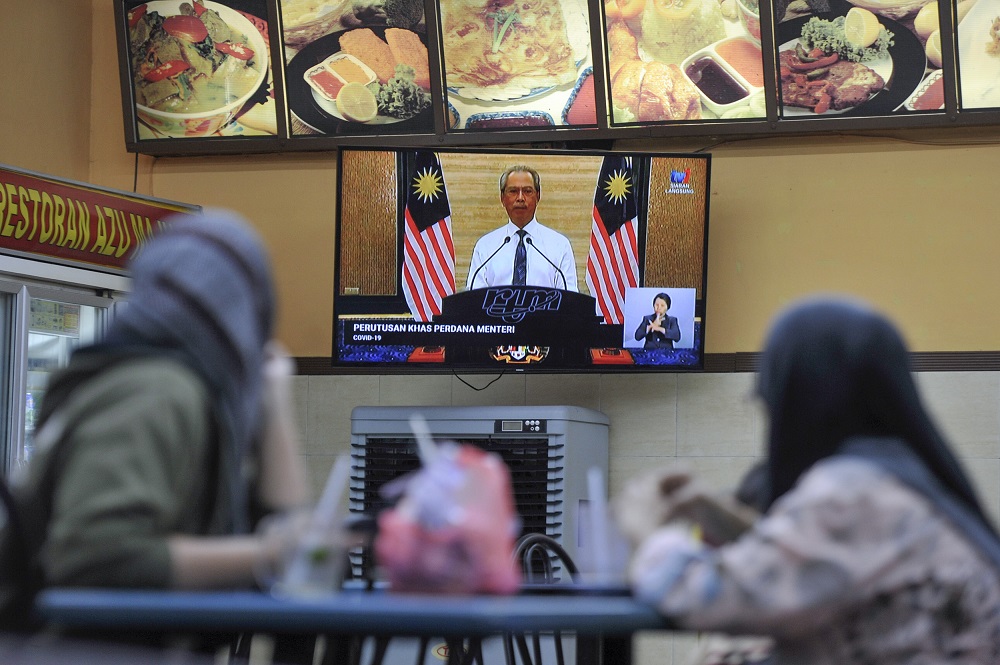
[[481, 260]]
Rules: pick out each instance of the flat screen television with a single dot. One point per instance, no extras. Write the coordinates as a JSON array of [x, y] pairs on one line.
[[483, 260]]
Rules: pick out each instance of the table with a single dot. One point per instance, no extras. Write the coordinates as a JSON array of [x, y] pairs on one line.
[[611, 619]]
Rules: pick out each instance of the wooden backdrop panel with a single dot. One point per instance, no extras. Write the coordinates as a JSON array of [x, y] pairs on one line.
[[369, 214], [675, 232]]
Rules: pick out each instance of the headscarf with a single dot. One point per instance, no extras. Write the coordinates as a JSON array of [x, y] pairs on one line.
[[202, 292], [835, 373]]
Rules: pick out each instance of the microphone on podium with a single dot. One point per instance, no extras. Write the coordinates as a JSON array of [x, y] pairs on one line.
[[528, 240], [472, 282]]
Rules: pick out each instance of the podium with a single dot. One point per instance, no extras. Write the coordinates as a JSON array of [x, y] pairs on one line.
[[522, 325]]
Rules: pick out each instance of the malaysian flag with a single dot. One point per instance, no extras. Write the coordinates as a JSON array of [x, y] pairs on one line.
[[428, 250], [613, 263]]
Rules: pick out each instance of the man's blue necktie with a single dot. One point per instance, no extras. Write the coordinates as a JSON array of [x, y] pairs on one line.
[[520, 260]]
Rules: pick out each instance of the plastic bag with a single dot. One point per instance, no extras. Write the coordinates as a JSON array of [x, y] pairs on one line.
[[454, 528]]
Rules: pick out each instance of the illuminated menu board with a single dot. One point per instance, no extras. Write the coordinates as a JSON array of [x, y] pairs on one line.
[[978, 46], [517, 64], [356, 68], [865, 58], [683, 60], [200, 69], [206, 76]]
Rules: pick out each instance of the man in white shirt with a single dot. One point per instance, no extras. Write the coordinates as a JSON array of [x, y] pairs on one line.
[[523, 251]]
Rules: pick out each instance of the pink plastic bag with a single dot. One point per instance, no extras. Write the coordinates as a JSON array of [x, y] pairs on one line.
[[453, 531]]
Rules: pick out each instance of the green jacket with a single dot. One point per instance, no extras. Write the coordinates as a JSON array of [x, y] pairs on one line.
[[135, 454]]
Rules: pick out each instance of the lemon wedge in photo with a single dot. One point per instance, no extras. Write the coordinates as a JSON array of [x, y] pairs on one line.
[[357, 103], [933, 48], [926, 21], [861, 27]]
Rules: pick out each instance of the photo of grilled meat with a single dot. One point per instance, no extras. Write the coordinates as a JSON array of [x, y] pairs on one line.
[[824, 86]]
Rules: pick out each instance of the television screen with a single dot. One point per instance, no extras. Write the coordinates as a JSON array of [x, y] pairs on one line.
[[479, 260]]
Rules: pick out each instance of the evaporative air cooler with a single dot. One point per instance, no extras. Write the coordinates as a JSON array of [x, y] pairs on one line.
[[548, 449]]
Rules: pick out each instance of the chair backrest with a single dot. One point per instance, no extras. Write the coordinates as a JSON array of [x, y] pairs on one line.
[[538, 556], [538, 553]]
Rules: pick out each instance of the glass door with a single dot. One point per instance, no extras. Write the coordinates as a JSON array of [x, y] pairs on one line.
[[42, 326], [9, 385]]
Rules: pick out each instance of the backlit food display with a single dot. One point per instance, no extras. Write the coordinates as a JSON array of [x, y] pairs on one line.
[[683, 60], [857, 58], [196, 68], [517, 64], [363, 69], [373, 68], [978, 54]]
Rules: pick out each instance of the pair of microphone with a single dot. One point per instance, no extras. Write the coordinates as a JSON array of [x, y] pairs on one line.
[[531, 244]]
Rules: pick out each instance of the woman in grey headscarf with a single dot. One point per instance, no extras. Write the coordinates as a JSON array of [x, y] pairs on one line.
[[872, 548], [159, 447]]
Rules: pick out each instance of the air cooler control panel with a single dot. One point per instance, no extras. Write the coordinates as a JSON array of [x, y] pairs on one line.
[[526, 425]]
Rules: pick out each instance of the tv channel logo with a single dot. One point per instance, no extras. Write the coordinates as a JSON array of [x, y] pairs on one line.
[[680, 182]]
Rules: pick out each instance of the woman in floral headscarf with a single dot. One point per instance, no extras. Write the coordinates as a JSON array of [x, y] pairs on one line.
[[873, 547]]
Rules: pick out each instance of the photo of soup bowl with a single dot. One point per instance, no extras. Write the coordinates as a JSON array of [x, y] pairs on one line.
[[750, 18], [209, 121]]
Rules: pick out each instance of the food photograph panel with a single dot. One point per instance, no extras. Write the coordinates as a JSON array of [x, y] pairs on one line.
[[200, 69], [356, 67], [858, 58], [978, 44], [517, 64], [683, 60]]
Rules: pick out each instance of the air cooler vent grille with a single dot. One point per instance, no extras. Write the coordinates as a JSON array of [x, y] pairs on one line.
[[535, 464]]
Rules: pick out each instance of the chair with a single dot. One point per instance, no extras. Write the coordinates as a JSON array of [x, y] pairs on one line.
[[537, 550], [538, 555]]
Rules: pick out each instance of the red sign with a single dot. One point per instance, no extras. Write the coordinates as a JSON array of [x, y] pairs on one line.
[[76, 222]]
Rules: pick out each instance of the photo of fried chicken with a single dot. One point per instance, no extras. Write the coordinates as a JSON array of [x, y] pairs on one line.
[[650, 91]]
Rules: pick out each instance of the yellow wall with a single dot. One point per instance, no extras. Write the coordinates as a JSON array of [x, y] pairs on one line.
[[45, 87], [903, 220]]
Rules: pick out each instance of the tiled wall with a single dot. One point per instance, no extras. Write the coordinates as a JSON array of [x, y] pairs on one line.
[[710, 422]]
